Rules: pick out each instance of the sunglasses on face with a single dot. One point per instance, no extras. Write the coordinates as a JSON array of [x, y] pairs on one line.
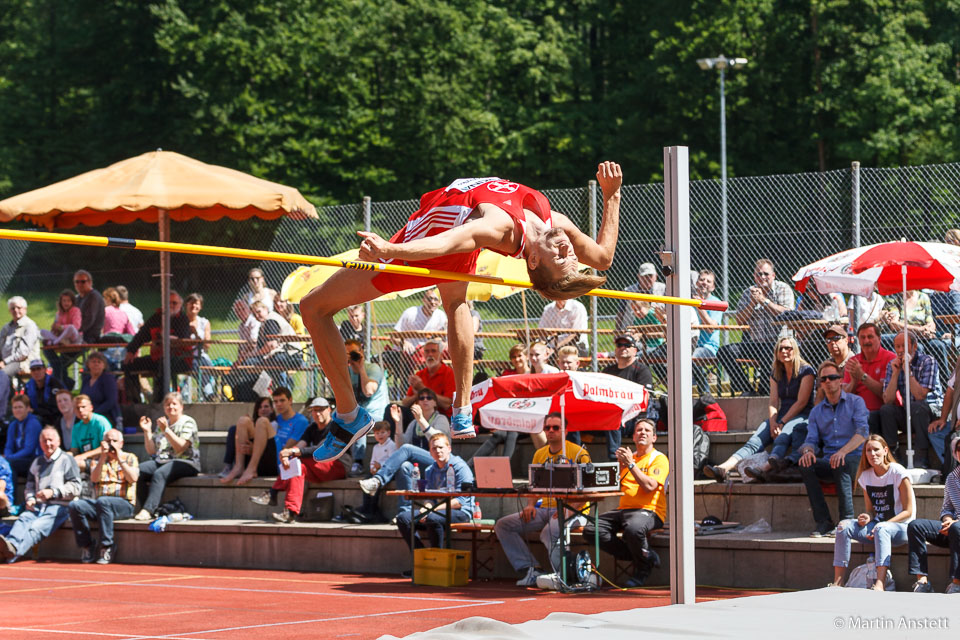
[[830, 378], [551, 427], [834, 338], [427, 398], [624, 345], [786, 348]]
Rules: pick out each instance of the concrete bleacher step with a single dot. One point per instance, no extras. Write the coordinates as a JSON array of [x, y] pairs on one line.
[[786, 560], [785, 506], [207, 498]]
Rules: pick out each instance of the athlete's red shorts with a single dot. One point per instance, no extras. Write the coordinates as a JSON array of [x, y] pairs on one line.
[[458, 262]]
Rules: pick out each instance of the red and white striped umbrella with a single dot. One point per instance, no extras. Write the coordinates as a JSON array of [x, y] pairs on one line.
[[929, 265], [590, 401]]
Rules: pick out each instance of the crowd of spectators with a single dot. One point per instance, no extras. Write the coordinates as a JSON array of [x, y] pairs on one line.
[[837, 421]]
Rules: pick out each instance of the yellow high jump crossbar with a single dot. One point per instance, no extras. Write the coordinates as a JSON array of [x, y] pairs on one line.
[[296, 258]]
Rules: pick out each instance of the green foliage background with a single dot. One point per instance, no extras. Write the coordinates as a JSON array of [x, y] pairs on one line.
[[389, 98]]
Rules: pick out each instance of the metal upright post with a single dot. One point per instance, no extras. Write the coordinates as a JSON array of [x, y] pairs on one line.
[[592, 207], [676, 256]]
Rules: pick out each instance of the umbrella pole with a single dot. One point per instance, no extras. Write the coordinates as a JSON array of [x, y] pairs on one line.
[[563, 429], [163, 220], [906, 370], [526, 321]]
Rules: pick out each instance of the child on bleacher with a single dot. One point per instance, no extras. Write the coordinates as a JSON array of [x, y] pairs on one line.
[[370, 508]]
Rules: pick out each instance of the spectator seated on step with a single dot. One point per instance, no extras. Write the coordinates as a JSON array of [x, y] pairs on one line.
[[385, 447], [91, 307], [926, 396], [67, 417], [42, 389], [369, 382], [249, 328], [53, 481], [269, 437], [19, 339], [436, 376], [242, 439], [436, 479], [101, 387], [23, 436], [174, 450], [66, 324], [413, 450], [890, 506], [642, 508], [864, 372], [791, 400], [512, 529], [838, 429], [944, 532], [88, 432], [114, 478], [116, 323], [311, 470]]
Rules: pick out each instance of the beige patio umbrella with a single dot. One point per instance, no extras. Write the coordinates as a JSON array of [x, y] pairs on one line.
[[158, 186]]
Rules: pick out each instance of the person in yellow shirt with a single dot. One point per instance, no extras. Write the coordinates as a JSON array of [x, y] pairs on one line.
[[512, 529], [643, 505]]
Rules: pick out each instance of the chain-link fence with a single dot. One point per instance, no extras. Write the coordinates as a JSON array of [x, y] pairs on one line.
[[790, 219]]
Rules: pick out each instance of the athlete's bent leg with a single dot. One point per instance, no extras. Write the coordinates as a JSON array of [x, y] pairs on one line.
[[460, 344]]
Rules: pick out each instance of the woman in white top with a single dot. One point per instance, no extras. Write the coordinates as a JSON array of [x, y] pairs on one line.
[[890, 506]]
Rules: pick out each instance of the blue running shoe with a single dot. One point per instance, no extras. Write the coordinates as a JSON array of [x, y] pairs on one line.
[[340, 436], [461, 426]]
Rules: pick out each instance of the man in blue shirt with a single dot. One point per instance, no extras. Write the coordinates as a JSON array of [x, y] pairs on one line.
[[23, 436], [926, 397], [838, 425], [436, 480]]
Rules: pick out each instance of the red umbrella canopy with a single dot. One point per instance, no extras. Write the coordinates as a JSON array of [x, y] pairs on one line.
[[930, 265], [590, 401]]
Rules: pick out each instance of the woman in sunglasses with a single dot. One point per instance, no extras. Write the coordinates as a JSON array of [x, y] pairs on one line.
[[890, 507], [791, 399]]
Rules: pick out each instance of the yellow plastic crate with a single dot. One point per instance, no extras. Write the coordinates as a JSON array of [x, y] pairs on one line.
[[441, 567]]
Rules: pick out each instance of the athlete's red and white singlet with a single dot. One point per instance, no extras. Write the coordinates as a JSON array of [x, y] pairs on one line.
[[449, 207]]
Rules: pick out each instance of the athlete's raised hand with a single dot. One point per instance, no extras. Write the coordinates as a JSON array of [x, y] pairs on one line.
[[610, 177]]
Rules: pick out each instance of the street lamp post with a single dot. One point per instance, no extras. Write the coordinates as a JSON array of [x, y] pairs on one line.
[[721, 63]]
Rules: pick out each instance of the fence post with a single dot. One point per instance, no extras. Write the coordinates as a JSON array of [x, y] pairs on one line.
[[367, 310], [592, 208], [855, 229]]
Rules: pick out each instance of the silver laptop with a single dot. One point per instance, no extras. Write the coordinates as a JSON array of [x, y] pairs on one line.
[[493, 474]]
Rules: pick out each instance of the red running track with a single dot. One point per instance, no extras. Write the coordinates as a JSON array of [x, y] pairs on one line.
[[71, 601]]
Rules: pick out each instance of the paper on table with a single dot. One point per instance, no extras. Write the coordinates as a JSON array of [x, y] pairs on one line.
[[293, 471]]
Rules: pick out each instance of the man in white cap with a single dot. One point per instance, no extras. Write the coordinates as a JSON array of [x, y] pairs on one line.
[[636, 311]]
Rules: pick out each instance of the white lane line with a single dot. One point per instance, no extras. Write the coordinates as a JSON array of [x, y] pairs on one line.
[[176, 636], [278, 591]]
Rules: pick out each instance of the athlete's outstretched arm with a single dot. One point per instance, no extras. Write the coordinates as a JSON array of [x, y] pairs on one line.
[[599, 253], [490, 231]]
